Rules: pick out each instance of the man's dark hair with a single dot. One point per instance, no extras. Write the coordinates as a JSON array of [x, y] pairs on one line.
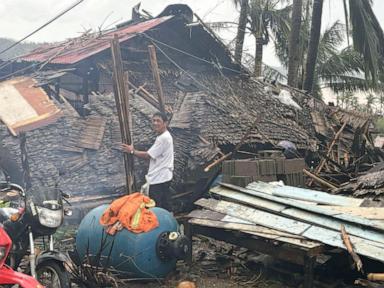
[[161, 115]]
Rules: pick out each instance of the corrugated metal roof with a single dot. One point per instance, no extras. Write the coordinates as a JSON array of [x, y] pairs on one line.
[[24, 107], [77, 49]]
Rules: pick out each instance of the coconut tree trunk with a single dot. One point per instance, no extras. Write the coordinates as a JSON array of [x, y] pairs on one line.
[[241, 30], [294, 39], [258, 56], [313, 48]]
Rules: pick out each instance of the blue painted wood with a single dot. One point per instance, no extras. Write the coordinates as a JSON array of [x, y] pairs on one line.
[[376, 237], [313, 232], [379, 225], [305, 194]]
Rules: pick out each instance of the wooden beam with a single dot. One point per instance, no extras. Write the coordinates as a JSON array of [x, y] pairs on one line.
[[319, 180], [156, 77], [121, 93]]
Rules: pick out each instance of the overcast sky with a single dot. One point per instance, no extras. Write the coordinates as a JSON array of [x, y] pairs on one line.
[[20, 17]]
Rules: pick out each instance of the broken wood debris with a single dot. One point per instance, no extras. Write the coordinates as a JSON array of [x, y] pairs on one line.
[[346, 150], [348, 244], [263, 205]]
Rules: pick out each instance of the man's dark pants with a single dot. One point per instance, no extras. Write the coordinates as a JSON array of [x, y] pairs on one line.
[[161, 194]]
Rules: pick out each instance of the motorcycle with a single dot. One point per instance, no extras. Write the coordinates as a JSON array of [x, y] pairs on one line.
[[28, 216], [9, 277]]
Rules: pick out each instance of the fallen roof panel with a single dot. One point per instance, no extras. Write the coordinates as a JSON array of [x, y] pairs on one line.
[[77, 49], [24, 107]]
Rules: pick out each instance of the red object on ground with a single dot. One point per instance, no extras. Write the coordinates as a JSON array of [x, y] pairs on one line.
[[131, 212], [7, 275]]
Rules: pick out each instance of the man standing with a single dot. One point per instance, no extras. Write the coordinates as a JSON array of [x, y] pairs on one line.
[[160, 156]]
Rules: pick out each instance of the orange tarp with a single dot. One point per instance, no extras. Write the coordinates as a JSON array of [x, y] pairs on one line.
[[131, 212]]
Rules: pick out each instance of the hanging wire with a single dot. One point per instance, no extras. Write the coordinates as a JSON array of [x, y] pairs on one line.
[[191, 55], [42, 26]]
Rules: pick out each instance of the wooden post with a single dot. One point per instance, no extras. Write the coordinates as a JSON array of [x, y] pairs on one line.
[[121, 93], [156, 76]]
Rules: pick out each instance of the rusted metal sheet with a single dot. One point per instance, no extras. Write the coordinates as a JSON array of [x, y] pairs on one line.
[[75, 50], [24, 107]]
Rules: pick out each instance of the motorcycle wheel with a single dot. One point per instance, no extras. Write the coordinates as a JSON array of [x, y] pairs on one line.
[[52, 275]]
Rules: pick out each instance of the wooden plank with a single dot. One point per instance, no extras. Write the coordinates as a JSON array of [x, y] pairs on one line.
[[305, 194], [372, 213], [255, 216], [249, 226], [254, 230], [310, 208], [258, 202], [326, 236], [377, 238], [305, 216]]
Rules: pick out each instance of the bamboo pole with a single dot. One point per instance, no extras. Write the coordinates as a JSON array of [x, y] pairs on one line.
[[122, 104]]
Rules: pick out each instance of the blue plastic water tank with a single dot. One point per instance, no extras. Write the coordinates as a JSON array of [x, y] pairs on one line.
[[130, 253]]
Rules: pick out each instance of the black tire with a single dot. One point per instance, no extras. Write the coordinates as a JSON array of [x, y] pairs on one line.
[[56, 270]]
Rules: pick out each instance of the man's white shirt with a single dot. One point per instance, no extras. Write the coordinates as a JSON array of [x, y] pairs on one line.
[[161, 162]]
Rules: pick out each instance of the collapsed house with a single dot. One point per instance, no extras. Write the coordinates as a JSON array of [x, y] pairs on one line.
[[212, 99]]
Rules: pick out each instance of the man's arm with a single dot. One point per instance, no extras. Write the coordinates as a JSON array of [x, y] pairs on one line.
[[130, 150]]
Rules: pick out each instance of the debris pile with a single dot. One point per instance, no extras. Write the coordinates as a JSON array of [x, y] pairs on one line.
[[346, 147], [290, 223]]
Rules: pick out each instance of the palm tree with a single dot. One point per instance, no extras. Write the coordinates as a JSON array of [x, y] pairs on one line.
[[241, 28], [266, 19], [339, 70], [294, 39], [317, 13], [367, 34]]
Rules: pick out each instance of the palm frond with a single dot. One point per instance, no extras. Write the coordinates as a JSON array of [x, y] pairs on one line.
[[330, 41], [368, 37], [344, 71], [347, 83], [272, 74], [347, 61]]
